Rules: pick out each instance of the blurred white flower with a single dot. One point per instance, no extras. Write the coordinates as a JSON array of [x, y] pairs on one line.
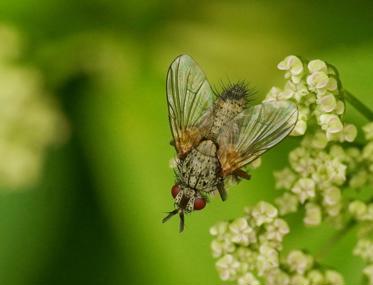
[[284, 178], [313, 215], [349, 132], [30, 120], [248, 279], [368, 131], [287, 203], [216, 248], [316, 277], [338, 152], [219, 229], [299, 262], [300, 128], [277, 276], [304, 188], [369, 214], [277, 230], [273, 94], [267, 259], [222, 246], [332, 85], [247, 257], [368, 152], [332, 196], [319, 140], [241, 232], [364, 249], [340, 107], [300, 161], [334, 278], [264, 212], [334, 211], [336, 171], [359, 179], [298, 279], [227, 267]]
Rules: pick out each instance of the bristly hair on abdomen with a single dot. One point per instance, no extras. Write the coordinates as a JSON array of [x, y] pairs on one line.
[[237, 91]]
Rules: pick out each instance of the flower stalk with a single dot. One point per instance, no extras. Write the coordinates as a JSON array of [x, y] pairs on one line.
[[358, 105]]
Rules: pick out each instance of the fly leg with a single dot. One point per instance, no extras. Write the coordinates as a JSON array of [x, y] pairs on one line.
[[222, 191], [239, 173]]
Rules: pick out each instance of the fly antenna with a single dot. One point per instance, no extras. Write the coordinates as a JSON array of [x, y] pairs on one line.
[[170, 215]]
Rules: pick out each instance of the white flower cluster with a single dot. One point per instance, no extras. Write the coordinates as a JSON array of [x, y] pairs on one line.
[[29, 119], [364, 249], [248, 252], [314, 178], [248, 247], [299, 268], [315, 88], [320, 167], [318, 170]]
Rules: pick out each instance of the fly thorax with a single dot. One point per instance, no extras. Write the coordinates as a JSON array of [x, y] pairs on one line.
[[199, 170], [224, 111], [188, 193]]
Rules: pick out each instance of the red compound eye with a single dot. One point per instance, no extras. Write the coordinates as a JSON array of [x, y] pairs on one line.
[[175, 189], [199, 203]]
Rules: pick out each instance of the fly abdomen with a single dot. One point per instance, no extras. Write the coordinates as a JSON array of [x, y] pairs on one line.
[[232, 101]]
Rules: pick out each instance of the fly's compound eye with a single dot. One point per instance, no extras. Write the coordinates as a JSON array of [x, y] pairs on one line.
[[199, 203], [175, 190]]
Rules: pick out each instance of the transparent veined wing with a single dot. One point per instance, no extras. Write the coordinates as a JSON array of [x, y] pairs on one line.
[[253, 132], [189, 98]]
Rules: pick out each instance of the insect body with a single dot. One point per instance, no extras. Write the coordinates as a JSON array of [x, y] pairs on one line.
[[214, 140]]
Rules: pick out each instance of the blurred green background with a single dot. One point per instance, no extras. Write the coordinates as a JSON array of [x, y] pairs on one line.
[[94, 217]]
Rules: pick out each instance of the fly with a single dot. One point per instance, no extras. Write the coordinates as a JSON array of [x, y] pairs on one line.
[[215, 136]]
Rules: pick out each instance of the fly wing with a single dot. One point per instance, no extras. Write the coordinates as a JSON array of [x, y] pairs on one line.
[[253, 132], [189, 98]]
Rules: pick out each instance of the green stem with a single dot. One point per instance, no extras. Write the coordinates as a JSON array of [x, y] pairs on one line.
[[358, 105], [325, 249], [350, 225]]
